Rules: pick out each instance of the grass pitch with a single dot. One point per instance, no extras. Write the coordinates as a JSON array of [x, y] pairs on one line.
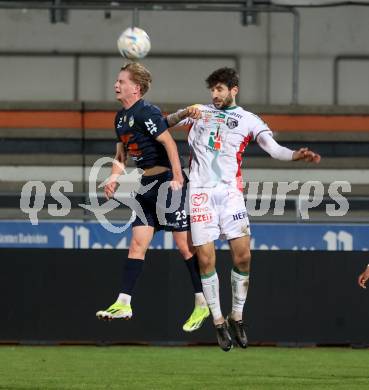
[[182, 368]]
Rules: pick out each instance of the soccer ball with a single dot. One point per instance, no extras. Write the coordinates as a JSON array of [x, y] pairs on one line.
[[134, 43]]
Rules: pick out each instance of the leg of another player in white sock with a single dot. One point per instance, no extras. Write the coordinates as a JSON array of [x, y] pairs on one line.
[[210, 287], [240, 284], [240, 249], [209, 280]]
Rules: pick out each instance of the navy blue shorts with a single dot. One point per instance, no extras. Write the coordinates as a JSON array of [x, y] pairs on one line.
[[163, 208]]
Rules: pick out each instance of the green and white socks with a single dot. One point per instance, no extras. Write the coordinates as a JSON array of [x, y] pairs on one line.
[[210, 286], [240, 284]]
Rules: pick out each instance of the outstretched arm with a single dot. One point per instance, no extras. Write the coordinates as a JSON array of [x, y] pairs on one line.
[[306, 155], [363, 277], [189, 112], [268, 143]]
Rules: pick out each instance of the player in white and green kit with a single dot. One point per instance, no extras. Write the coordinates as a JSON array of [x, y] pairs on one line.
[[218, 136]]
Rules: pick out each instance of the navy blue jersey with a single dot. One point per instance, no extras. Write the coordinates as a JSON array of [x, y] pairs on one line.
[[137, 128]]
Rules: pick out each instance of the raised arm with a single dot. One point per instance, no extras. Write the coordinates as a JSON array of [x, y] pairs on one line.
[[190, 112], [363, 277], [268, 143]]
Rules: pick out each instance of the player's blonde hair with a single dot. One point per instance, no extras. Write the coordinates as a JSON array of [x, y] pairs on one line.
[[139, 75]]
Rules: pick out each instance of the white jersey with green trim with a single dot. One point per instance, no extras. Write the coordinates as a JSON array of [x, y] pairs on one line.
[[217, 141]]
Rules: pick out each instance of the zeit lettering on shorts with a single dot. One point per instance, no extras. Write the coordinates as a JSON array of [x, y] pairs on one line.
[[201, 218]]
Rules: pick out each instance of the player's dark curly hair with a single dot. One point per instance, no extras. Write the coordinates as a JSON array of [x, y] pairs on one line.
[[227, 76]]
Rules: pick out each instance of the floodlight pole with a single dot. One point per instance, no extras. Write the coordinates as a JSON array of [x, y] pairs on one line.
[[295, 56], [135, 17]]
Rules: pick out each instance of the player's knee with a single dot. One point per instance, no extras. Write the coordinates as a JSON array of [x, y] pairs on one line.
[[242, 261], [206, 261], [185, 247], [185, 252], [137, 249]]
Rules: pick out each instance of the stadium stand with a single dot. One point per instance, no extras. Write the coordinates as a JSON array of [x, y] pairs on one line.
[[61, 141]]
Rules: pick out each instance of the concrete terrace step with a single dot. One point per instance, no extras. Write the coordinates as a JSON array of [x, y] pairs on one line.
[[57, 133], [49, 159], [170, 107], [77, 174], [107, 147], [179, 135], [94, 115]]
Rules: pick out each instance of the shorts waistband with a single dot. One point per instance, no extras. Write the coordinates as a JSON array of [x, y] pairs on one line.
[[167, 175], [159, 176]]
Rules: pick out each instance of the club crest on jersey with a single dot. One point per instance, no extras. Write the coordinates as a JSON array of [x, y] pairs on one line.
[[232, 123], [131, 121]]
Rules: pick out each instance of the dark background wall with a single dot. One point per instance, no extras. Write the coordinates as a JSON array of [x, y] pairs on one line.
[[294, 297]]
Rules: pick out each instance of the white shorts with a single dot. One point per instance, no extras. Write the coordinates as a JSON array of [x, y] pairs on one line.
[[217, 212]]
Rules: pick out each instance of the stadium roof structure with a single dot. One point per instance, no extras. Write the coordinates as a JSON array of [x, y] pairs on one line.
[[248, 9], [241, 5], [123, 4]]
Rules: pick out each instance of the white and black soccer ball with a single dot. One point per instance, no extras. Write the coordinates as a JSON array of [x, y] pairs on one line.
[[134, 43]]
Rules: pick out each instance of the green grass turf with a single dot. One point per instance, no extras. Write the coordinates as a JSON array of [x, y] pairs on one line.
[[182, 368]]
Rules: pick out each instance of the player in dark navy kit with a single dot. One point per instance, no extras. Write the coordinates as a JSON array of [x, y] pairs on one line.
[[143, 134]]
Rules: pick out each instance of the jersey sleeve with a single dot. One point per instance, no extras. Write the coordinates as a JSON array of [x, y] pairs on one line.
[[257, 126], [116, 121], [185, 122], [153, 121], [279, 152]]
